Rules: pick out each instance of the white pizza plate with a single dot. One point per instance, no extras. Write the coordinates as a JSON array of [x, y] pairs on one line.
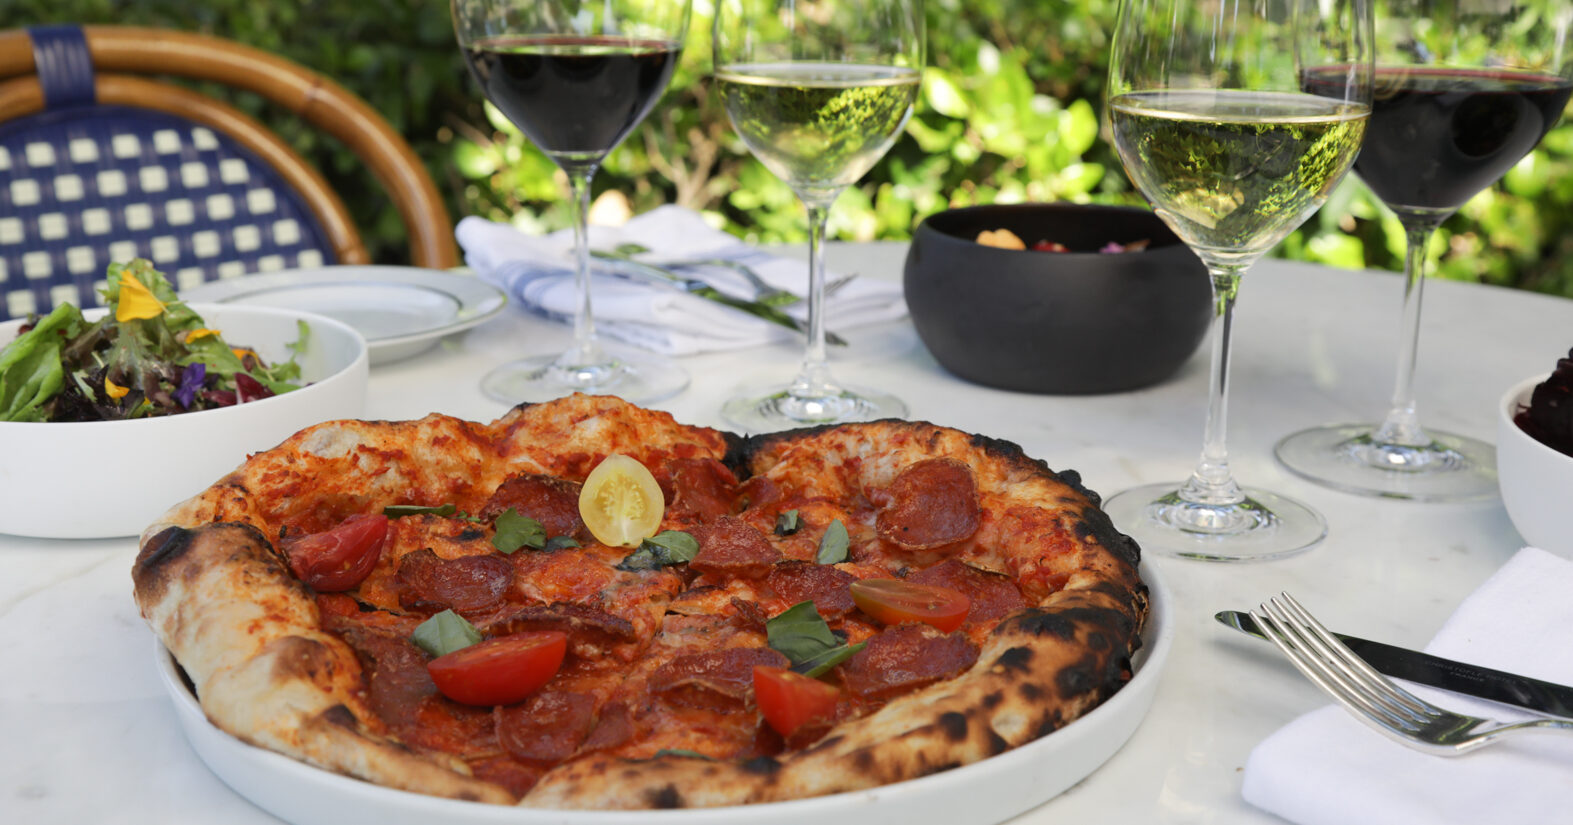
[[401, 311], [983, 793]]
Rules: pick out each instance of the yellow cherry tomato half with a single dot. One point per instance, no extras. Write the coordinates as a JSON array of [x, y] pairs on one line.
[[621, 502]]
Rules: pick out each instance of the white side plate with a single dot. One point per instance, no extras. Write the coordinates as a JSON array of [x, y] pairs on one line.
[[983, 793], [401, 311]]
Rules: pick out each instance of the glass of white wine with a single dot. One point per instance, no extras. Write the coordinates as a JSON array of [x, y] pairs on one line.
[[1213, 124], [818, 90]]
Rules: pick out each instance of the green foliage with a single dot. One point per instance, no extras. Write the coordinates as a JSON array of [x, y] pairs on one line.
[[1010, 111]]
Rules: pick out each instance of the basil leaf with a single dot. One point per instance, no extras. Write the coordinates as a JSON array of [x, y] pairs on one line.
[[561, 542], [515, 531], [402, 510], [663, 549], [800, 633], [787, 523], [683, 752], [444, 633], [821, 664], [833, 545]]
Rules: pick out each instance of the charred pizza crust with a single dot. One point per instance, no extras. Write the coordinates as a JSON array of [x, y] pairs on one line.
[[212, 585]]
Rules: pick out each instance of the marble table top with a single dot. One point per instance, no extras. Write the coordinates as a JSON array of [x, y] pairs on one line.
[[89, 735]]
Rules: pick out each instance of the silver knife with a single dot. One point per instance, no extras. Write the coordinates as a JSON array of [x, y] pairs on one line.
[[1425, 669]]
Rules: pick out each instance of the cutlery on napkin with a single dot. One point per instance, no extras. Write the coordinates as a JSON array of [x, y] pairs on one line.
[[1326, 767], [538, 272]]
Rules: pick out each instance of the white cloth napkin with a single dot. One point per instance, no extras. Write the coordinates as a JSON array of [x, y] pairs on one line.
[[1327, 768], [538, 272]]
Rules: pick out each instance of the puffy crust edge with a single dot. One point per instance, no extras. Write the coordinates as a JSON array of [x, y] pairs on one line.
[[247, 635]]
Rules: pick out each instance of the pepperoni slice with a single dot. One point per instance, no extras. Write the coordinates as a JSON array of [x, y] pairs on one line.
[[904, 658], [933, 503], [554, 502], [733, 547], [993, 596], [826, 586], [547, 727], [430, 583], [590, 630], [714, 677], [614, 727], [703, 489]]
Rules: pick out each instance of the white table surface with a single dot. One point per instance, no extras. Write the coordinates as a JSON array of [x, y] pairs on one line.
[[88, 736]]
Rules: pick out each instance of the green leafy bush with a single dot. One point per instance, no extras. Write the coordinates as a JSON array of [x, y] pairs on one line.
[[1010, 111]]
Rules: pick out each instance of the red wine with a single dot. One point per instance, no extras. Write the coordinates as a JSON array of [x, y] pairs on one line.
[[1438, 136], [575, 97]]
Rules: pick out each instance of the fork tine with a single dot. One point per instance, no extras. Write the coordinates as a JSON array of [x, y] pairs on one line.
[[1329, 645], [1332, 681], [1371, 694]]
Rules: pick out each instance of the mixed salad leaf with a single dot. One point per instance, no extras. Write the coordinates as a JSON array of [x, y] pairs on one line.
[[150, 355]]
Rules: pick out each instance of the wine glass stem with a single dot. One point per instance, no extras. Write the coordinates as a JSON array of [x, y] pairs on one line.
[[1211, 483], [1402, 424], [814, 380], [586, 350]]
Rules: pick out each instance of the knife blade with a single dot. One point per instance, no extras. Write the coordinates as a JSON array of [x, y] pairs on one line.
[[1425, 669]]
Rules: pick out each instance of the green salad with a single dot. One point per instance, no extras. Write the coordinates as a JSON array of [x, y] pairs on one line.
[[150, 355]]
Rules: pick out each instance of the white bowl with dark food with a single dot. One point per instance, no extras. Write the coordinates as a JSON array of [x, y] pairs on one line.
[[105, 479], [1535, 477]]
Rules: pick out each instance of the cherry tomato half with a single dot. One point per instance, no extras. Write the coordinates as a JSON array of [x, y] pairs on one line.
[[790, 700], [893, 601], [340, 558], [500, 671]]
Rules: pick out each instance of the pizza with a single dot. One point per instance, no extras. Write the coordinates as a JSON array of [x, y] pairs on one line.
[[586, 604]]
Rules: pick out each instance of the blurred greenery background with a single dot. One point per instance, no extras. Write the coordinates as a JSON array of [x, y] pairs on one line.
[[1009, 112]]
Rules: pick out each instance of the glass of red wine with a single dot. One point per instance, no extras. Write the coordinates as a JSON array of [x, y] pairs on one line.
[[576, 78], [1464, 90]]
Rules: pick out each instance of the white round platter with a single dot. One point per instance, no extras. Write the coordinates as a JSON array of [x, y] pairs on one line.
[[401, 311], [982, 793]]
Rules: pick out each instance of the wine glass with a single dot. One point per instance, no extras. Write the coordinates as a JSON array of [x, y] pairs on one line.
[[1212, 125], [818, 90], [1463, 91], [576, 78]]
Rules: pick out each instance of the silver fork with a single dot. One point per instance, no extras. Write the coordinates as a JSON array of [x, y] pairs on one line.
[[764, 292], [1372, 697]]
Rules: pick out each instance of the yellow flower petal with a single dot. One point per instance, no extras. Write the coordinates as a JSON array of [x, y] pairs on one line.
[[114, 390], [136, 301], [241, 353], [199, 333]]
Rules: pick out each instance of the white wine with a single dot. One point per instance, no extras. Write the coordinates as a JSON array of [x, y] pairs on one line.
[[1233, 172], [818, 126]]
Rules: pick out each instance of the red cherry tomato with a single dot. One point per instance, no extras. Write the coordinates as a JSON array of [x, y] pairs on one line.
[[1050, 246], [340, 558], [790, 700], [500, 671], [893, 601]]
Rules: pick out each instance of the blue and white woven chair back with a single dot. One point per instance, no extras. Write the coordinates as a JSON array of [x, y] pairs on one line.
[[84, 184]]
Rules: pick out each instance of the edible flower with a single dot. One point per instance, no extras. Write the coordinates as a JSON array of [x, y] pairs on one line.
[[114, 390], [136, 302], [192, 377], [242, 352], [200, 333]]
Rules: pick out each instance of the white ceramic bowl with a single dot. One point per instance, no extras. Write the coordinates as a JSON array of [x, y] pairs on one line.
[[1536, 481], [103, 479]]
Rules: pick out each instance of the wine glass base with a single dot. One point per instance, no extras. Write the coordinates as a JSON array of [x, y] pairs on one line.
[[1346, 457], [767, 410], [1264, 526], [638, 379]]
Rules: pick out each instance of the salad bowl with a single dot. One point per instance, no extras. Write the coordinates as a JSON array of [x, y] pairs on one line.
[[106, 479]]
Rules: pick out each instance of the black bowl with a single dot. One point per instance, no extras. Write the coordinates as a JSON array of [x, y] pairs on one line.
[[1056, 322]]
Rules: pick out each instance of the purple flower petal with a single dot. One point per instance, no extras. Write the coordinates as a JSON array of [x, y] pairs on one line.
[[191, 379]]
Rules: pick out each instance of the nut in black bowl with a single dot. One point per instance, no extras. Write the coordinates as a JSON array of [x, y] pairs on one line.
[[1057, 322]]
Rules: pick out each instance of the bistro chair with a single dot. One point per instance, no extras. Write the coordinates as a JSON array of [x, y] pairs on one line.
[[99, 165]]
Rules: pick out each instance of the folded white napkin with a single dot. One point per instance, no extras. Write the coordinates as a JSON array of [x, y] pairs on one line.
[[538, 272], [1327, 768]]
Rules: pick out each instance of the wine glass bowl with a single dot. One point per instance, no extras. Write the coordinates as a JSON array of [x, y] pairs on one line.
[[1462, 93], [576, 78], [818, 92], [1213, 124]]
